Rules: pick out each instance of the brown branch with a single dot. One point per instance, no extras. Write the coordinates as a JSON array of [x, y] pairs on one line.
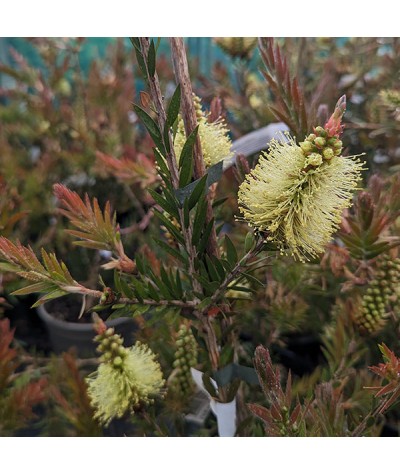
[[181, 71]]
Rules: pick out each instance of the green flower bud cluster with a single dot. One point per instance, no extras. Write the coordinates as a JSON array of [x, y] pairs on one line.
[[111, 347], [381, 294], [319, 147], [185, 358], [285, 426]]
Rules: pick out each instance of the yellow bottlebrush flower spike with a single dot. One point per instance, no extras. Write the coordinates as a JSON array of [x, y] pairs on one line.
[[125, 378], [214, 138], [296, 194], [237, 47]]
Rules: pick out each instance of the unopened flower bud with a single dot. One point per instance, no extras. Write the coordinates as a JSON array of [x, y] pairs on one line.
[[328, 153], [320, 142], [320, 131]]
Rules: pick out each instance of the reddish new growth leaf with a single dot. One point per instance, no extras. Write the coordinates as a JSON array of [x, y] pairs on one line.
[[7, 354], [288, 101], [389, 371], [52, 278], [334, 125], [279, 418], [138, 171], [16, 401], [95, 229]]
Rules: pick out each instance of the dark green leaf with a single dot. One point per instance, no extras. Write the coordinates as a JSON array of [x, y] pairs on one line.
[[151, 127], [187, 150], [165, 205], [165, 291], [185, 174], [205, 237], [162, 164], [199, 221], [227, 374], [174, 106], [173, 252], [219, 267], [197, 192], [212, 270], [140, 263], [151, 59], [170, 227], [231, 253], [214, 174]]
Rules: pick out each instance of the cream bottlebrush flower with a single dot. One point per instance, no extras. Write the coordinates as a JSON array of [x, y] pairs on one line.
[[123, 382], [297, 199], [214, 138]]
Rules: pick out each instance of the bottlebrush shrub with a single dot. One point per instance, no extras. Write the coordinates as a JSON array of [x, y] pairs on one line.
[[202, 272]]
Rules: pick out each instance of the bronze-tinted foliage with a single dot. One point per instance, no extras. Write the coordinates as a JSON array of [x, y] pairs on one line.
[[289, 104], [18, 394], [68, 393], [280, 418]]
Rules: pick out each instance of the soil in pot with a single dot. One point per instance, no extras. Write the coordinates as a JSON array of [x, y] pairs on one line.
[[66, 330]]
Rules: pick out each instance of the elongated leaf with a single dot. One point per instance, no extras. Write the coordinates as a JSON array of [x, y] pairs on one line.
[[186, 173], [162, 164], [231, 252], [174, 107], [187, 150], [205, 237], [197, 192], [170, 227], [173, 252], [165, 205], [214, 174], [199, 221], [33, 288], [151, 127], [151, 59]]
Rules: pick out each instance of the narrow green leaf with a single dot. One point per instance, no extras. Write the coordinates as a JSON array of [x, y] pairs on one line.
[[151, 59], [205, 237], [164, 290], [187, 150], [162, 164], [212, 270], [173, 252], [178, 283], [165, 205], [30, 289], [185, 173], [151, 127], [153, 292], [214, 174], [174, 107], [140, 263], [170, 227], [231, 253], [249, 241], [199, 221], [55, 294], [197, 192], [219, 267]]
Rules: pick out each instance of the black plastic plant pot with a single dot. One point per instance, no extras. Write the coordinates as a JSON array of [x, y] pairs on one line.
[[64, 335]]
